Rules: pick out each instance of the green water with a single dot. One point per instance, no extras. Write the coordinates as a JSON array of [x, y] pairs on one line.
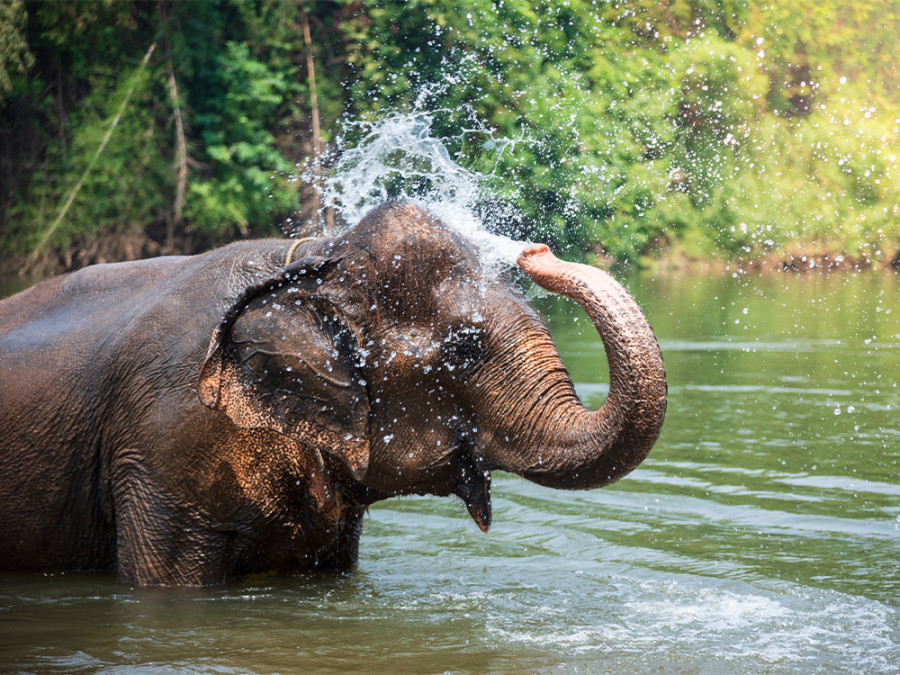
[[761, 535]]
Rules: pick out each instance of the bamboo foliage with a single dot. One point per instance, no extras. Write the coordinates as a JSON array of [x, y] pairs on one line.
[[73, 193], [14, 54]]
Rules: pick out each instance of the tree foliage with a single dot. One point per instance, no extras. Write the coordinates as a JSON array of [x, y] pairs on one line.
[[720, 128]]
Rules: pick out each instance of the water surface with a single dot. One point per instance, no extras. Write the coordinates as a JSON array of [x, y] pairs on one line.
[[761, 535]]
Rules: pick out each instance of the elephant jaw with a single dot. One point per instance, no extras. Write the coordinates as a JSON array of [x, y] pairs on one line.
[[473, 486]]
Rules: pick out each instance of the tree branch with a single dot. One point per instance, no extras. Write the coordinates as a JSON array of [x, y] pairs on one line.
[[316, 125], [181, 166]]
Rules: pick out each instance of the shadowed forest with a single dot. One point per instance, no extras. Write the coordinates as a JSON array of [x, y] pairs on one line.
[[638, 130]]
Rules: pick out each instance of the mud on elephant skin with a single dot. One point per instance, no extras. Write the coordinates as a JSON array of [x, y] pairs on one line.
[[187, 420]]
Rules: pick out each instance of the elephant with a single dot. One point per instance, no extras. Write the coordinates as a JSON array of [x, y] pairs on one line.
[[189, 420]]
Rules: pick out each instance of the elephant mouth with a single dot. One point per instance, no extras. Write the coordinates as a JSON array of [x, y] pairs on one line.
[[473, 486]]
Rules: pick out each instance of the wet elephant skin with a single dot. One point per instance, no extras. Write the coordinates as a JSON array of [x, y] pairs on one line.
[[188, 420]]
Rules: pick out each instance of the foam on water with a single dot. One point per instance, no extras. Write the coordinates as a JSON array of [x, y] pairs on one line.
[[398, 158], [692, 621]]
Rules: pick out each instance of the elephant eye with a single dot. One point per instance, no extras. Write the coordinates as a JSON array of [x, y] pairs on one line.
[[462, 348]]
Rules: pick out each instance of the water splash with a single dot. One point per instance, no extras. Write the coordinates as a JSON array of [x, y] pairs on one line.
[[400, 158]]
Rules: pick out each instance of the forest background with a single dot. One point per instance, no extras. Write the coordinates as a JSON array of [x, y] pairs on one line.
[[645, 130]]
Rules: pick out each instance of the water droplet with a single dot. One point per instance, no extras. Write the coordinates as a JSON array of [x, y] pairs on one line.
[[402, 145]]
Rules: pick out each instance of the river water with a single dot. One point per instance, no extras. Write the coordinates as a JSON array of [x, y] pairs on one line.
[[761, 535]]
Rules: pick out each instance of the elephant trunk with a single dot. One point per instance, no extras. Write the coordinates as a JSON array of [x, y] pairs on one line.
[[543, 432]]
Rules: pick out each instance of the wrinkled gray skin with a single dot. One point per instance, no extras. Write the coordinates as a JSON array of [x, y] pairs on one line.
[[186, 420]]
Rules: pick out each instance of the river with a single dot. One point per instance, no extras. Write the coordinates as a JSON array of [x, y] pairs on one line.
[[761, 535]]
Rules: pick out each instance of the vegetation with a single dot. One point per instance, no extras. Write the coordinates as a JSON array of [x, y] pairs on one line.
[[707, 129]]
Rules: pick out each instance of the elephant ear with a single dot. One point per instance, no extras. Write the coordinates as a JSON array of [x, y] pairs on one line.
[[283, 359]]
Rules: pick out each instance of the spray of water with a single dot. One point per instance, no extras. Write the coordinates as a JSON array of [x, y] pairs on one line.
[[398, 157]]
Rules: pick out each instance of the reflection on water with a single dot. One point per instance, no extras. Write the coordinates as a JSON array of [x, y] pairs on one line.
[[762, 534]]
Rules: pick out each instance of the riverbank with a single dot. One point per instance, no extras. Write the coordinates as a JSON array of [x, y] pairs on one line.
[[119, 248], [138, 246], [793, 261]]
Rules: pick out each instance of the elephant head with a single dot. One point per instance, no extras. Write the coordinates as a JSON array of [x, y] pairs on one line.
[[389, 349]]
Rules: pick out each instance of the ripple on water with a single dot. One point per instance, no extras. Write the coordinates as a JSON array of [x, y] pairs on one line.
[[697, 622]]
